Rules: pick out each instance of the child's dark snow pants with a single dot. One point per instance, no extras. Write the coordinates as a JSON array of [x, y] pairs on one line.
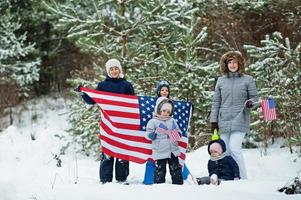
[[174, 168], [106, 169]]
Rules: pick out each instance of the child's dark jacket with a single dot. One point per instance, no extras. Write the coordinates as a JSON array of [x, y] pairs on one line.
[[225, 168], [114, 85]]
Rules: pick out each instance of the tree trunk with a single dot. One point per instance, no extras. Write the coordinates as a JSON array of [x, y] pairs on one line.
[[11, 116]]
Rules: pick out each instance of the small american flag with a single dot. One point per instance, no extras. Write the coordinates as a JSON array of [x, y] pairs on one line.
[[162, 129], [173, 134], [123, 124], [268, 107]]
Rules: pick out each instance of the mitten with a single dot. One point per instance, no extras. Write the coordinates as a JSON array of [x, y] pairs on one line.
[[163, 126], [249, 103], [162, 129], [152, 136], [184, 134], [77, 89], [214, 179], [214, 125]]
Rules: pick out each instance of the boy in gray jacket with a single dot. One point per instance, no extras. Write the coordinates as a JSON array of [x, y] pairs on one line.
[[164, 132]]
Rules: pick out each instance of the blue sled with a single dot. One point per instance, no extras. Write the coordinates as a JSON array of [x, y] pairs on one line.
[[149, 174]]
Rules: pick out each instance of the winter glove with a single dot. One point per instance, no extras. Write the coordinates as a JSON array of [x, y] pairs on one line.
[[249, 103], [214, 179], [214, 125], [78, 88], [162, 129], [184, 134], [163, 126], [152, 136]]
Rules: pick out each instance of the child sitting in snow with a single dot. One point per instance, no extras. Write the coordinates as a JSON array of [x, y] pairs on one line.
[[163, 130], [220, 166]]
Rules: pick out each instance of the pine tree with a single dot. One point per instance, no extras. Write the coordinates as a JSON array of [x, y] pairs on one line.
[[154, 40], [276, 65], [172, 40], [16, 65], [103, 29], [84, 120], [157, 39]]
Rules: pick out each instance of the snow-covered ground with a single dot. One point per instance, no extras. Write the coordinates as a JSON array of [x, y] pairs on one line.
[[28, 169]]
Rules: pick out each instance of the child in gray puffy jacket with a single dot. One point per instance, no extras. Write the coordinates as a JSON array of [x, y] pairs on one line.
[[164, 132]]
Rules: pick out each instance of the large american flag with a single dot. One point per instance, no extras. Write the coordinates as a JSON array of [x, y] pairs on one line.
[[268, 107], [123, 124]]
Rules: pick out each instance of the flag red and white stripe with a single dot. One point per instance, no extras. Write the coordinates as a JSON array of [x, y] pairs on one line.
[[120, 132], [174, 135], [268, 109]]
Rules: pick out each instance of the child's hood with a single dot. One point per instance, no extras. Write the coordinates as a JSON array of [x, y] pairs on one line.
[[160, 101], [220, 141]]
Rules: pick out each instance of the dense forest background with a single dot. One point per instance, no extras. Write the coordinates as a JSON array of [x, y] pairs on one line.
[[51, 46]]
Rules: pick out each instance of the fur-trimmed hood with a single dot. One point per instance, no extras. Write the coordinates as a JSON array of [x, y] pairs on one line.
[[231, 55]]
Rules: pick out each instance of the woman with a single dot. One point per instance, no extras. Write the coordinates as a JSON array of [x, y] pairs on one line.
[[235, 94]]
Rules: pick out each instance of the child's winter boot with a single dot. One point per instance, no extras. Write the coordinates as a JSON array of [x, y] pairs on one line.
[[203, 180]]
